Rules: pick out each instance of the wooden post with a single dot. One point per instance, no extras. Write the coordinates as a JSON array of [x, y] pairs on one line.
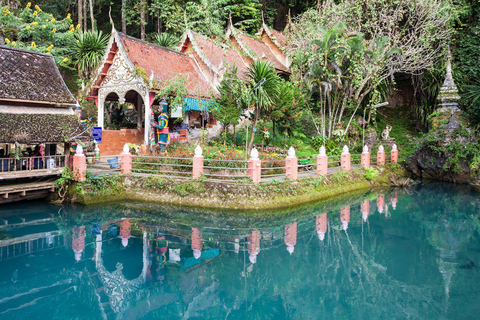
[[381, 156], [394, 154], [255, 167], [322, 162], [197, 170], [291, 165], [345, 159], [79, 165], [126, 160], [365, 158]]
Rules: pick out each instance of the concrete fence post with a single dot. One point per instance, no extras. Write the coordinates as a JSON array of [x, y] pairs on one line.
[[291, 164], [345, 159], [197, 163], [126, 160], [322, 162], [394, 154], [79, 165], [365, 208], [365, 158], [254, 167], [381, 156]]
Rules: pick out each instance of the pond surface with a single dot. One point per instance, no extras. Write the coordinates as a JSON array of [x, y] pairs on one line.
[[388, 255]]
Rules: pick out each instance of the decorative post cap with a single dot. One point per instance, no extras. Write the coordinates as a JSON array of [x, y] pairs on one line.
[[291, 152], [345, 150], [365, 149], [254, 154], [198, 151], [394, 147], [97, 149], [79, 151], [381, 149], [322, 152], [126, 148]]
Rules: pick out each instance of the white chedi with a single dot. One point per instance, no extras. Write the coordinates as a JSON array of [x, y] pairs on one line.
[[394, 147], [79, 151], [322, 151], [254, 154], [126, 149], [198, 151], [291, 152], [365, 149], [381, 149], [345, 150]]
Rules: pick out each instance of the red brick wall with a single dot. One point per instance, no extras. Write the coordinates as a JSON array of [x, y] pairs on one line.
[[114, 140]]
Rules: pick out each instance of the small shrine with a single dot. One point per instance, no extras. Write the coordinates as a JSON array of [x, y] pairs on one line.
[[448, 96]]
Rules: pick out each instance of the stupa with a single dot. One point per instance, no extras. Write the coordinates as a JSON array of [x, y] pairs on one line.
[[448, 96]]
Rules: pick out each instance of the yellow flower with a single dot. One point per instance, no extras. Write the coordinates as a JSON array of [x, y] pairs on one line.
[[6, 11], [14, 43], [69, 16], [44, 26], [47, 20], [54, 30], [7, 41], [50, 47], [33, 44], [27, 27], [53, 20], [78, 26], [65, 59], [28, 5], [35, 13], [35, 23], [37, 8]]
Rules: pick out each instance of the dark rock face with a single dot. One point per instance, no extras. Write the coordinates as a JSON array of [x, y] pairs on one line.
[[438, 156]]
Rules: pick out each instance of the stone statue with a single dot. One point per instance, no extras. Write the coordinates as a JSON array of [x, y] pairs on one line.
[[162, 127], [386, 132]]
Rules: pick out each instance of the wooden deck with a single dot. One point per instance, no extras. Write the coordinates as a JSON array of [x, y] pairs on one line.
[[30, 173], [24, 191]]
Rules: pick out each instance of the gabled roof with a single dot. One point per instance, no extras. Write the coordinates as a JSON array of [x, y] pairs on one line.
[[277, 37], [255, 49], [165, 64], [217, 57], [33, 77]]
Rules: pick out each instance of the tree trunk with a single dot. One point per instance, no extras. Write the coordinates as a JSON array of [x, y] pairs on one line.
[[234, 136], [124, 20], [90, 2], [85, 26], [80, 14], [143, 5], [254, 124], [273, 133]]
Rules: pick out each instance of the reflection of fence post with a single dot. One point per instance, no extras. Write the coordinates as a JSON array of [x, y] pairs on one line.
[[197, 163], [345, 217], [380, 202], [79, 165], [126, 160], [365, 160], [394, 154], [254, 167], [345, 159], [380, 156], [291, 165], [365, 208], [322, 162]]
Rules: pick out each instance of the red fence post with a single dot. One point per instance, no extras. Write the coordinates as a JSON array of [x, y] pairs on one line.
[[255, 167], [380, 156], [79, 165], [365, 158], [394, 154], [197, 163], [345, 159], [322, 162], [126, 160], [291, 165]]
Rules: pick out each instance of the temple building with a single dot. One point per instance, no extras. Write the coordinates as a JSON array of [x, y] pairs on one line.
[[37, 120], [133, 71]]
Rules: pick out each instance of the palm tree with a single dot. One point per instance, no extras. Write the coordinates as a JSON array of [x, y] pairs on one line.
[[166, 40], [261, 96], [89, 49]]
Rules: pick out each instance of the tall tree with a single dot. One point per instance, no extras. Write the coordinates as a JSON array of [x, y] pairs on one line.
[[143, 22], [80, 13], [92, 20], [124, 19]]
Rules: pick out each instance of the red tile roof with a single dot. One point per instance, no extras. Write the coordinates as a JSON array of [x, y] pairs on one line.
[[279, 37], [260, 50], [219, 56], [166, 64]]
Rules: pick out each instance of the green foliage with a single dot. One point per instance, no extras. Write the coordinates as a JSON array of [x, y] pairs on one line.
[[166, 40], [185, 189], [89, 49], [370, 173]]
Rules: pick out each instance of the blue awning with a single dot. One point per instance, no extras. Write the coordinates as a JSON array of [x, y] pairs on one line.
[[192, 104]]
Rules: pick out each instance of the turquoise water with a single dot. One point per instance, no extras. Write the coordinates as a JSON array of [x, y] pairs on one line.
[[381, 255]]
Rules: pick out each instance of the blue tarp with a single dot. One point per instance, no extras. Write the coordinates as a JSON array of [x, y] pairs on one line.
[[192, 104]]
